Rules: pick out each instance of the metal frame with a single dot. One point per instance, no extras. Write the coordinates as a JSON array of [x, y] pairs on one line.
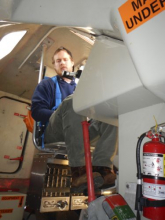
[[55, 148]]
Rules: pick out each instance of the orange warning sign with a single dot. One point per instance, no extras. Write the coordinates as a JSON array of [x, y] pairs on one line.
[[20, 198], [134, 13]]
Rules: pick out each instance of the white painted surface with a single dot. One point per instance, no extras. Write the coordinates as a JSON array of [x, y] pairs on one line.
[[12, 133], [131, 126], [66, 13], [146, 46], [109, 85], [10, 139]]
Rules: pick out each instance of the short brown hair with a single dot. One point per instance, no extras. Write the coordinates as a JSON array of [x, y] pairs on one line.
[[60, 49]]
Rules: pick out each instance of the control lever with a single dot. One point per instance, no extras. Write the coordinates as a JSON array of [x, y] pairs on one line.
[[17, 158], [61, 204]]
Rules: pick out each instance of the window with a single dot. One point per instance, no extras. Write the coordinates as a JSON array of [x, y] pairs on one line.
[[9, 41]]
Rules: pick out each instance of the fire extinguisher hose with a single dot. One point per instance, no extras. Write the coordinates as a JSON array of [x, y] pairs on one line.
[[138, 205], [139, 174]]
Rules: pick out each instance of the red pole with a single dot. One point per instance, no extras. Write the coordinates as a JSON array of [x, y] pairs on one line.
[[91, 194]]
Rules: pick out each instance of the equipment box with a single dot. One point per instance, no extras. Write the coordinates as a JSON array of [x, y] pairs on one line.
[[12, 205]]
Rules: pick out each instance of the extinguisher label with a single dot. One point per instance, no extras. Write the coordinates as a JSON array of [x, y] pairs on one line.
[[153, 164], [153, 191]]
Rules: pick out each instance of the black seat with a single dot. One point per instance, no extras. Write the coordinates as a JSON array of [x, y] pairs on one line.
[[55, 148]]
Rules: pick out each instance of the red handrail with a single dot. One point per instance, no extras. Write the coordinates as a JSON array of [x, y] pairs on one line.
[[91, 194]]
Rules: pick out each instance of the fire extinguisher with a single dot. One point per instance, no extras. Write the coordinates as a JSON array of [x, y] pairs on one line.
[[150, 192]]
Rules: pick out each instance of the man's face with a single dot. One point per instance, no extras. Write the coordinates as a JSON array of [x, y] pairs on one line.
[[62, 61]]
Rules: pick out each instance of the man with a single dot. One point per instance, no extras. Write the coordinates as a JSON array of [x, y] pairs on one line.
[[43, 99], [65, 125]]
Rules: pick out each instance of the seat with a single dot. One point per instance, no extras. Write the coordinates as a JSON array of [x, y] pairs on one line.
[[55, 148]]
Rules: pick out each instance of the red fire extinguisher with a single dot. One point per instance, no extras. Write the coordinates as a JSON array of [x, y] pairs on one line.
[[150, 194]]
